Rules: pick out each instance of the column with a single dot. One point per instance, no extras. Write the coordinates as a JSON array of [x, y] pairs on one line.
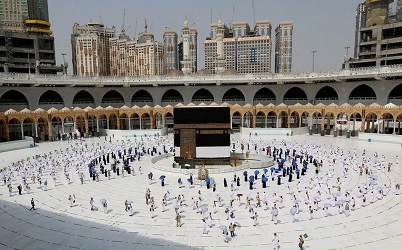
[[348, 124], [75, 125], [310, 122], [62, 127], [378, 125], [7, 131], [289, 121], [86, 125], [97, 125], [394, 126], [241, 121], [22, 131], [277, 121], [140, 122], [129, 123], [231, 117], [50, 132], [107, 121], [36, 129], [300, 121], [266, 121]]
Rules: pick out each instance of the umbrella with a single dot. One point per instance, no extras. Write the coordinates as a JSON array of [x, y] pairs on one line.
[[340, 202], [272, 169], [297, 171], [251, 179], [275, 212], [237, 224], [189, 180], [179, 180], [265, 179], [256, 172], [238, 195], [293, 211], [317, 198], [222, 227], [204, 209], [207, 180], [265, 170], [327, 205], [103, 201], [162, 177], [245, 173]]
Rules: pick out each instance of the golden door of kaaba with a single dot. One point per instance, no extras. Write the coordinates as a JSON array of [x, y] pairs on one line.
[[187, 144]]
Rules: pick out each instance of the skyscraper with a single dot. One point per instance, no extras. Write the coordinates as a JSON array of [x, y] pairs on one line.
[[90, 49], [188, 49], [239, 48], [171, 50], [283, 47], [26, 21], [361, 15], [377, 12]]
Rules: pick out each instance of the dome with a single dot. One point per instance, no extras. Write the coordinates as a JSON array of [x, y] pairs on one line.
[[229, 72], [203, 72], [175, 72]]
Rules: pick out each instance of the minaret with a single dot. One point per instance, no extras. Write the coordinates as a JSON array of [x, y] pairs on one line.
[[377, 12], [220, 60], [186, 63]]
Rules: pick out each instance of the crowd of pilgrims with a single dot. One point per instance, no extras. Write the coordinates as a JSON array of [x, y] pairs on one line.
[[328, 167]]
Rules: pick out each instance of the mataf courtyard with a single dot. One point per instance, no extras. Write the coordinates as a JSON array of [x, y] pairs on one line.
[[344, 206]]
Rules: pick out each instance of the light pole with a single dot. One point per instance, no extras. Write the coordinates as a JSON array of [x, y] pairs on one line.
[[29, 60], [347, 52], [313, 52], [64, 63]]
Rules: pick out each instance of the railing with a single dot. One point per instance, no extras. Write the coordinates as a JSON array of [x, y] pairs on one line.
[[364, 72]]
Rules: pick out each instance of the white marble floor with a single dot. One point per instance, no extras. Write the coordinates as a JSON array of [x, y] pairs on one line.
[[56, 225]]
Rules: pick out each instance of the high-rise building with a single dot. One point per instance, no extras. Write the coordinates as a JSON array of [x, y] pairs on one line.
[[188, 49], [25, 37], [90, 49], [171, 50], [379, 41], [239, 48], [141, 57], [361, 15], [283, 47], [377, 12]]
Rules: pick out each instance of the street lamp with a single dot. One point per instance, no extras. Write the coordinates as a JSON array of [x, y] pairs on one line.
[[313, 52], [29, 60], [64, 63]]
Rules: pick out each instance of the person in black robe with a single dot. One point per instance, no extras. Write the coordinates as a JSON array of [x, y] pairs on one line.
[[225, 183], [238, 181], [290, 176], [279, 180]]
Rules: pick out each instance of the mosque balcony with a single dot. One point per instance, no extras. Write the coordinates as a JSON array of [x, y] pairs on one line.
[[239, 79]]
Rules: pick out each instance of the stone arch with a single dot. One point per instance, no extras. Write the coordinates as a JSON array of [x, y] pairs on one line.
[[43, 128], [169, 121], [158, 120], [80, 124], [113, 121], [283, 119], [171, 97], [264, 96], [13, 99], [29, 127], [260, 120], [371, 122], [142, 98], [386, 123], [395, 96], [3, 131], [326, 95], [145, 121], [316, 122], [83, 99], [124, 121], [103, 121], [202, 96], [248, 120], [112, 98], [234, 96], [272, 119], [51, 99], [362, 94], [236, 121], [295, 95], [14, 128], [295, 119]]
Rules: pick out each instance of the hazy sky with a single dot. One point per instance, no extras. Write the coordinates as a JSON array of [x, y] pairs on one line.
[[326, 26]]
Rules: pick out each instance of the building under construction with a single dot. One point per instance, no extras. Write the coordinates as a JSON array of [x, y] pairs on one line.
[[26, 41]]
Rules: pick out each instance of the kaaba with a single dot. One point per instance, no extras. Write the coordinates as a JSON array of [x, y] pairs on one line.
[[202, 135]]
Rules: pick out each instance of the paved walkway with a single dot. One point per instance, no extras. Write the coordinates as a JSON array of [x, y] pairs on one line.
[[56, 225]]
